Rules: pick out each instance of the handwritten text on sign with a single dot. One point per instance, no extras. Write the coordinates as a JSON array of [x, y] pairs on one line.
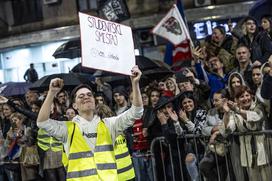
[[106, 45]]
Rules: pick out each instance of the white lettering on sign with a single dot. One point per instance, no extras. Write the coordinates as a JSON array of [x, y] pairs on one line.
[[203, 29]]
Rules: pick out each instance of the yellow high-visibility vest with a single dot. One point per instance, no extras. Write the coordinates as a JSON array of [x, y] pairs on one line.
[[46, 142], [85, 164], [125, 168]]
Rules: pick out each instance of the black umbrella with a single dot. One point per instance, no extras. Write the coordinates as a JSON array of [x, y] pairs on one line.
[[71, 80], [70, 49], [96, 73], [144, 64], [14, 88], [153, 69], [261, 8]]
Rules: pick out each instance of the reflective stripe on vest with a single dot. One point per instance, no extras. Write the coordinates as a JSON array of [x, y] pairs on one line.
[[85, 164], [104, 155], [125, 168], [46, 142]]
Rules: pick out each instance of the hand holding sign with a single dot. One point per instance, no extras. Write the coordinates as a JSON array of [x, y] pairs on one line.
[[106, 45]]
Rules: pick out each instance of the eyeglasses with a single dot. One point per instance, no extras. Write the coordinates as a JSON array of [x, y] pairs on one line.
[[81, 96]]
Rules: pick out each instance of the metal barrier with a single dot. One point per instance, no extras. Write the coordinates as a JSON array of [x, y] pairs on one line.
[[169, 159]]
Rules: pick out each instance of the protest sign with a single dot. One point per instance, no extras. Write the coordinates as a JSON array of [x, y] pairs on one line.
[[106, 45]]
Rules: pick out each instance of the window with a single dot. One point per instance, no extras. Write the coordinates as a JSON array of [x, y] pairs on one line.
[[26, 11]]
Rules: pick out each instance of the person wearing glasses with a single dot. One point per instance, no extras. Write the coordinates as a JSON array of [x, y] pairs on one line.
[[88, 140]]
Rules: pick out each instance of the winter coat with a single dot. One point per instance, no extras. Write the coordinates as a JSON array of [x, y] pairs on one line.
[[260, 47], [254, 121]]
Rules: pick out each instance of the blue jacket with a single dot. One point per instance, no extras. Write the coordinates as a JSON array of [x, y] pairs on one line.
[[215, 81]]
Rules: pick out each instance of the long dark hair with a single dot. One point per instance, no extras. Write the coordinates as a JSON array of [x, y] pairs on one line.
[[189, 95]]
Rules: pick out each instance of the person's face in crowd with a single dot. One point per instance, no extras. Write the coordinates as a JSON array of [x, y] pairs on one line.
[[165, 109], [17, 121], [266, 69], [145, 99], [265, 24], [188, 104], [250, 26], [235, 82], [217, 36], [162, 86], [70, 113], [35, 108], [242, 55], [7, 111], [84, 100], [215, 64], [170, 85], [245, 100], [154, 98], [257, 76], [185, 86], [62, 98], [119, 99], [99, 100], [218, 101], [31, 97]]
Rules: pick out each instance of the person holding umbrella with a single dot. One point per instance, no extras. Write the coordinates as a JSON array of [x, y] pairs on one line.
[[88, 140]]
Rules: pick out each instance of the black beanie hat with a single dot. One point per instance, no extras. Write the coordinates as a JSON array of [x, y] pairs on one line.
[[121, 90]]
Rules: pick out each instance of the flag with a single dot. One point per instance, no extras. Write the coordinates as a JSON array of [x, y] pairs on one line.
[[175, 54], [172, 27], [114, 10]]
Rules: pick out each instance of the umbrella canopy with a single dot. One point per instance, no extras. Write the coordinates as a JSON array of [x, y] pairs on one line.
[[71, 80], [70, 49], [144, 63], [14, 88], [261, 8], [153, 69]]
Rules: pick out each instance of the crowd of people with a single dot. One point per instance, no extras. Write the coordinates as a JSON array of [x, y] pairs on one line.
[[227, 89]]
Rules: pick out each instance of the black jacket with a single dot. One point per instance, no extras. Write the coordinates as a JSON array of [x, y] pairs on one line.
[[260, 47], [266, 93]]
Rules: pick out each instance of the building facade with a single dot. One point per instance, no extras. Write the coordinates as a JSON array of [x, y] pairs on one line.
[[31, 30]]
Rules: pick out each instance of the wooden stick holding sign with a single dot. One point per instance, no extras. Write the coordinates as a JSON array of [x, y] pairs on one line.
[[106, 45]]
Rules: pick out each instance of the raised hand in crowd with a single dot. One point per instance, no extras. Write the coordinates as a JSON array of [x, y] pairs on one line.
[[183, 116], [233, 106], [173, 115], [198, 53], [135, 74], [55, 86]]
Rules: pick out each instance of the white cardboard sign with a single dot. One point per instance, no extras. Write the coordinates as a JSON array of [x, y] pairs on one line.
[[106, 45]]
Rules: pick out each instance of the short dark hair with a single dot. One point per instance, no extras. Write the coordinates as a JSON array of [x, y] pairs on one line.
[[223, 93], [74, 91], [256, 67], [221, 29]]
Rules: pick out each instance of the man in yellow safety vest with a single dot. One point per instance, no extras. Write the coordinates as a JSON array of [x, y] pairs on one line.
[[88, 140]]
